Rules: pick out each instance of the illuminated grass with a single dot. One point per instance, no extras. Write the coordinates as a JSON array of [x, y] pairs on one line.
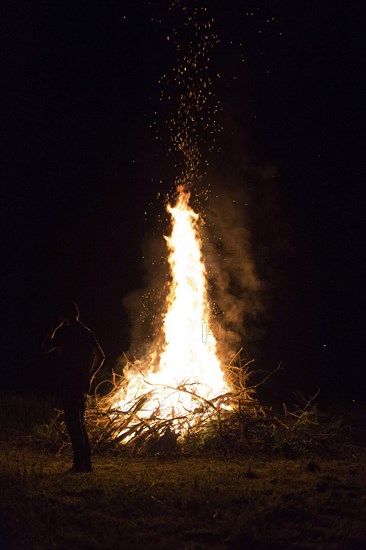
[[161, 502], [191, 503]]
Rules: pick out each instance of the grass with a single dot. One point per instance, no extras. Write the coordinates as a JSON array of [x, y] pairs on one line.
[[189, 503], [255, 501], [23, 414]]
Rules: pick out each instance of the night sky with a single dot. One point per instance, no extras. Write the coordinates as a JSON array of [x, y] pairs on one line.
[[81, 170]]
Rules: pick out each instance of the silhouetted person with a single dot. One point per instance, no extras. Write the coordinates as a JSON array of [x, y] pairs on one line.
[[79, 357]]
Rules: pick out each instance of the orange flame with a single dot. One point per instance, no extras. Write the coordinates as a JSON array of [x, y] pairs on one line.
[[188, 358]]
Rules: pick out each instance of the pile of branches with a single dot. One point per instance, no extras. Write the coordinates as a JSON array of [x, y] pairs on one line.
[[232, 423], [112, 427], [129, 429]]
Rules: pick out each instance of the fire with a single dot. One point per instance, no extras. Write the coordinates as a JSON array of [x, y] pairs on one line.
[[188, 369], [186, 354]]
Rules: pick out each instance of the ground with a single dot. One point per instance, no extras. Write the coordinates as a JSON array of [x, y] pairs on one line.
[[199, 503]]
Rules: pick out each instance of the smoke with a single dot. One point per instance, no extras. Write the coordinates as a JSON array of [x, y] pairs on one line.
[[234, 284], [240, 269], [146, 305], [245, 242]]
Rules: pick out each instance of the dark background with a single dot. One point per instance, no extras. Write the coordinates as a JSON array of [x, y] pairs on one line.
[[81, 166]]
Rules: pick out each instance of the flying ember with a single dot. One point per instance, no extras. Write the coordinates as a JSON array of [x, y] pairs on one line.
[[187, 370]]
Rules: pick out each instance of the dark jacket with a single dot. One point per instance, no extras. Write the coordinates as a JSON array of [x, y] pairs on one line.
[[75, 344]]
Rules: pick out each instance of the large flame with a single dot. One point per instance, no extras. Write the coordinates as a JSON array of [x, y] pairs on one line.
[[188, 365]]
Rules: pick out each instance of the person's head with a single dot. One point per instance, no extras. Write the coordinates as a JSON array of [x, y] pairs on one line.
[[69, 311]]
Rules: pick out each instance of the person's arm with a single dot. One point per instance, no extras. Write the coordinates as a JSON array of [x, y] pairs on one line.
[[50, 342], [97, 359]]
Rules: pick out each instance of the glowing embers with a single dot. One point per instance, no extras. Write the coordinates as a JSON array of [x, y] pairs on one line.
[[187, 375]]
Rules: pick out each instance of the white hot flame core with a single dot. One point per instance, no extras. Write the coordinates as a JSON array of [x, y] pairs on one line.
[[188, 358], [187, 354]]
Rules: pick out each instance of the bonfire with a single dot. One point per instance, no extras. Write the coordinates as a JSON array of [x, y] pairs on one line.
[[175, 393]]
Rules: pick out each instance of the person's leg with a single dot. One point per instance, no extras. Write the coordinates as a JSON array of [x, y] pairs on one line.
[[74, 411], [86, 446]]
